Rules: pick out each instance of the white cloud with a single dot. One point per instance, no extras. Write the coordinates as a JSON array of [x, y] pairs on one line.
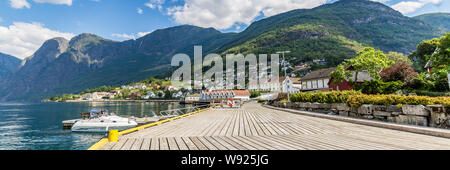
[[59, 2], [124, 36], [18, 4], [224, 14], [23, 39], [140, 11], [141, 34], [406, 7], [155, 4], [131, 36]]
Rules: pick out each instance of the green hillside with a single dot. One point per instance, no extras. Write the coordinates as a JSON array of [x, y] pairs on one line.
[[440, 20]]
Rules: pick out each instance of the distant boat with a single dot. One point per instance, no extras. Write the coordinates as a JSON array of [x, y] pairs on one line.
[[102, 121]]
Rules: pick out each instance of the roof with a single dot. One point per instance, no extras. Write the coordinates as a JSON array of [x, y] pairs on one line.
[[322, 73], [295, 80], [241, 92], [282, 79]]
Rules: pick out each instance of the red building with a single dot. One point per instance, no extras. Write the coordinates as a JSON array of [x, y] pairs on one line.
[[346, 85]]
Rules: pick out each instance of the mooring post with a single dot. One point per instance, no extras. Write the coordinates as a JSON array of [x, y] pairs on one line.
[[113, 135]]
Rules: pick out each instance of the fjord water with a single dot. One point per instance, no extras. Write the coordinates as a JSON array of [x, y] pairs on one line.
[[38, 126]]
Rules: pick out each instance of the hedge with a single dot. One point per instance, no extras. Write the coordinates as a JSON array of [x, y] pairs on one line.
[[356, 99]]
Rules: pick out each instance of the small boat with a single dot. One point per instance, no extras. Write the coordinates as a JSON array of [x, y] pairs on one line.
[[102, 121]]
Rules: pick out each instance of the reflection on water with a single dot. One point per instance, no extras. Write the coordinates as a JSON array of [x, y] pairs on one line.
[[37, 126]]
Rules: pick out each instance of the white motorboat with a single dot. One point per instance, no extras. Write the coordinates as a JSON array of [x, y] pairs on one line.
[[102, 121]]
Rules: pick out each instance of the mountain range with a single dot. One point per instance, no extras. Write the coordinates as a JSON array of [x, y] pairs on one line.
[[440, 20], [8, 65], [333, 32]]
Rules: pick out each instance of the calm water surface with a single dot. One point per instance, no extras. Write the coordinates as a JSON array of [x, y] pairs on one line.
[[37, 126]]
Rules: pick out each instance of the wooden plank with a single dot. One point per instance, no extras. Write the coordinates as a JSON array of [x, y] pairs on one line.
[[215, 143], [172, 143], [233, 143], [206, 143], [197, 143], [163, 145], [118, 145], [146, 144], [155, 144], [189, 143], [181, 144], [137, 144]]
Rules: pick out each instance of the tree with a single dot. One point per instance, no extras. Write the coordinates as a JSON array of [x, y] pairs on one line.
[[442, 55], [399, 72], [398, 58], [368, 59], [422, 55]]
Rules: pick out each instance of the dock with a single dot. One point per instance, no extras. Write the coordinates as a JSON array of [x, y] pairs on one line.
[[254, 127]]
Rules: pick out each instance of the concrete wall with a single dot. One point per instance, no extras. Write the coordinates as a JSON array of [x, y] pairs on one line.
[[432, 115]]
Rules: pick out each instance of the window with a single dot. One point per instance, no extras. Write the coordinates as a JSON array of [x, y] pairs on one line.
[[325, 83], [320, 84]]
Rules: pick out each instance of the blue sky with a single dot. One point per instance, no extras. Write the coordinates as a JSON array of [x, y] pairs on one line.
[[26, 24]]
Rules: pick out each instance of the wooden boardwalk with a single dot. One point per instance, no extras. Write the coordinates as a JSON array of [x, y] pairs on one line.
[[257, 128]]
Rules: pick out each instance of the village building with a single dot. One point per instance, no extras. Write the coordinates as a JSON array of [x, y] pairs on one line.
[[290, 85], [316, 80], [192, 98], [243, 95], [346, 84]]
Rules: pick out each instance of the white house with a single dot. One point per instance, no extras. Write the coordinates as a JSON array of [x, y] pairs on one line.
[[192, 98], [243, 95], [316, 80], [290, 85]]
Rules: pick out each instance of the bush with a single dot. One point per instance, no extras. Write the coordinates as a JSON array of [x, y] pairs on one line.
[[254, 94], [379, 87], [388, 100], [356, 99], [322, 97], [399, 72]]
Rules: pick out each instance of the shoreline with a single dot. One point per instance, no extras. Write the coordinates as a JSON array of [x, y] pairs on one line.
[[93, 101]]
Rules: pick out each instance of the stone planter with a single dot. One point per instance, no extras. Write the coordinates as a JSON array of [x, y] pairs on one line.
[[416, 110], [365, 109], [411, 120]]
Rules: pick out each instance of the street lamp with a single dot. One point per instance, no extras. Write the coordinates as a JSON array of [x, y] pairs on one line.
[[284, 67]]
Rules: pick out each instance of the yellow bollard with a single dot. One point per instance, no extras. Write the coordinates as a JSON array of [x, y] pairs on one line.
[[113, 135], [198, 111]]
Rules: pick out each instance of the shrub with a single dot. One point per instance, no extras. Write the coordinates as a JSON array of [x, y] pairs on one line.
[[323, 97], [388, 100], [356, 99], [254, 94], [399, 72], [379, 87]]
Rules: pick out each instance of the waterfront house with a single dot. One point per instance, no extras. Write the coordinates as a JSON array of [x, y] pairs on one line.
[[243, 95], [290, 85], [192, 98], [86, 96], [317, 80], [177, 94]]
